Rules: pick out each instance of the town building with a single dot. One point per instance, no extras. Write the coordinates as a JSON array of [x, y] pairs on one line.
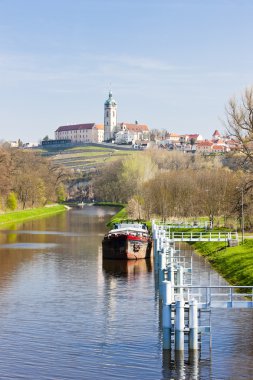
[[130, 133], [121, 133], [204, 146], [216, 135], [81, 133]]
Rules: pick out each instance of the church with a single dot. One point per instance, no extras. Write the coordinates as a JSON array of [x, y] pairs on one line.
[[111, 131], [121, 133]]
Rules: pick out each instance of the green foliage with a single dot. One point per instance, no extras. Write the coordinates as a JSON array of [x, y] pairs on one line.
[[61, 193], [11, 201]]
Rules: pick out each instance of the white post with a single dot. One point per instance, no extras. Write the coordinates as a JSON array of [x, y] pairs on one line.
[[180, 280], [162, 267], [154, 227], [193, 325], [170, 270], [157, 249], [166, 315], [179, 326]]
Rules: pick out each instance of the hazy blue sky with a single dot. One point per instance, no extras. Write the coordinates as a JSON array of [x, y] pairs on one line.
[[171, 64]]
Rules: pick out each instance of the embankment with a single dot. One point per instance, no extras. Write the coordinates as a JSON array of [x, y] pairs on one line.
[[23, 215], [235, 264]]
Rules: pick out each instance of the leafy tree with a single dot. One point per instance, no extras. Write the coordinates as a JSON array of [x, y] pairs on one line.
[[61, 193], [46, 138], [11, 201]]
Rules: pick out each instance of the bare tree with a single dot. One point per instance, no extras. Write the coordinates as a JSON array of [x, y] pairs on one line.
[[239, 124]]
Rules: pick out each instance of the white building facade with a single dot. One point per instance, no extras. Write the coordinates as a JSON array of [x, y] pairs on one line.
[[83, 133]]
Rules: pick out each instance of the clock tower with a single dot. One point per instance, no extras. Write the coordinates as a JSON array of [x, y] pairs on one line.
[[110, 117]]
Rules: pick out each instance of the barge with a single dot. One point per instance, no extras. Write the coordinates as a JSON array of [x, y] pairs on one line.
[[127, 241]]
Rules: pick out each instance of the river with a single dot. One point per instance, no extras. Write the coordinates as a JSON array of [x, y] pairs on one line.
[[66, 314]]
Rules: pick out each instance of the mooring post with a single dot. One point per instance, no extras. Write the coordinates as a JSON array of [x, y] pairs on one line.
[[180, 280], [193, 325], [170, 277], [179, 325], [162, 267], [166, 315], [158, 248], [154, 227], [170, 254]]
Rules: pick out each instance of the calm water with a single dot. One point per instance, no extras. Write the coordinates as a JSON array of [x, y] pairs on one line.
[[64, 314]]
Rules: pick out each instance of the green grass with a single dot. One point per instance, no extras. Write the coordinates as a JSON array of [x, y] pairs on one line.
[[117, 218], [94, 148], [86, 157], [112, 204], [22, 215], [235, 264]]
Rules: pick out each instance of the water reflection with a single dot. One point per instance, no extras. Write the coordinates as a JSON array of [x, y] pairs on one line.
[[127, 268], [183, 365], [66, 313]]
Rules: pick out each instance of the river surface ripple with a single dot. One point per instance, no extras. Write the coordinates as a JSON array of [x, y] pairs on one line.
[[66, 314]]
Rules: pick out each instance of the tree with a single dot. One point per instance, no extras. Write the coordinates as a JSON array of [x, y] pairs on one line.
[[239, 124], [61, 193], [192, 142], [11, 201], [46, 138]]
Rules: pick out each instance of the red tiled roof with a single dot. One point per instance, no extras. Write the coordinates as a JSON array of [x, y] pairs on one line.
[[75, 127], [99, 126], [217, 147], [216, 133], [193, 136], [204, 143], [174, 134], [135, 127]]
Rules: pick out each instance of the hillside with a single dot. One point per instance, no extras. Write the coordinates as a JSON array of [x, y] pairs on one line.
[[86, 158]]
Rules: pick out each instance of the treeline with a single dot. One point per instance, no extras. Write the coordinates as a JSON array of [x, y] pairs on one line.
[[28, 180], [173, 184]]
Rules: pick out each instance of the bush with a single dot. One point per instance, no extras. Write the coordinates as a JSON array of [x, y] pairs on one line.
[[11, 201]]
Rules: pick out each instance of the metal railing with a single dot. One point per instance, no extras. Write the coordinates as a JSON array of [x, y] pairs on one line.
[[202, 236], [219, 296]]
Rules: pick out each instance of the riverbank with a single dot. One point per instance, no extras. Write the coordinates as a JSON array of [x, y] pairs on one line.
[[23, 215], [117, 218], [235, 264]]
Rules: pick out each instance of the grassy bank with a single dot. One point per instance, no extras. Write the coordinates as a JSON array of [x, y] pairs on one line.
[[23, 215], [123, 215], [117, 218], [235, 264], [110, 204]]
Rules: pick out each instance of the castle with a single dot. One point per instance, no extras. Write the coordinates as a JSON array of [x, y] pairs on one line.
[[111, 131]]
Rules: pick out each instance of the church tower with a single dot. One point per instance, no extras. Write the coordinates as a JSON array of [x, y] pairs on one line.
[[110, 118]]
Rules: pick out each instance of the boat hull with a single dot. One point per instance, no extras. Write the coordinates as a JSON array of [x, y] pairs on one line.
[[126, 247]]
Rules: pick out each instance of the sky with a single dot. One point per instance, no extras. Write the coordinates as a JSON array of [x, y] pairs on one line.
[[171, 64]]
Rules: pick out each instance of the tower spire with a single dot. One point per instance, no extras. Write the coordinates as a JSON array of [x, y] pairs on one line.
[[110, 117]]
